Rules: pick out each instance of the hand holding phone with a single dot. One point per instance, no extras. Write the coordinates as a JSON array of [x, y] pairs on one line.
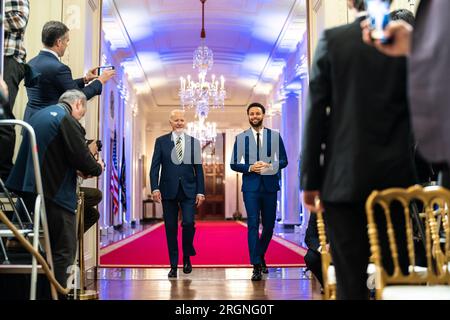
[[105, 73], [102, 68], [378, 15]]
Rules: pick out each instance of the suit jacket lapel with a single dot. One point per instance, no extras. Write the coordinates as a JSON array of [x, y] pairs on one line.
[[188, 145], [248, 138], [421, 11], [252, 138], [264, 143]]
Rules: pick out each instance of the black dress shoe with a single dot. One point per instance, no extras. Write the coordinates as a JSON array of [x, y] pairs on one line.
[[256, 276], [173, 273], [187, 266], [264, 266]]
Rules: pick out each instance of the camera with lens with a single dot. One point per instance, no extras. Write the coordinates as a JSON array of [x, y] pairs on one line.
[[99, 145], [97, 142]]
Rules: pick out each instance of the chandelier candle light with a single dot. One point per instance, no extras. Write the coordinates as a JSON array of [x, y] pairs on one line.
[[202, 94], [203, 131]]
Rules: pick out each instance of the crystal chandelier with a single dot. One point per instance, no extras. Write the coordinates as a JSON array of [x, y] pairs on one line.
[[203, 58], [202, 94], [206, 132]]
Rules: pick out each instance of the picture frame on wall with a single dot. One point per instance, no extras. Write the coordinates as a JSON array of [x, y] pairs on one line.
[[111, 105]]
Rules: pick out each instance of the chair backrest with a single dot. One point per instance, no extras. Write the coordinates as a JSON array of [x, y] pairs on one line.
[[435, 202]]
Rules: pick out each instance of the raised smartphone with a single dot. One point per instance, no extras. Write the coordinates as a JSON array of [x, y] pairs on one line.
[[100, 69], [378, 15]]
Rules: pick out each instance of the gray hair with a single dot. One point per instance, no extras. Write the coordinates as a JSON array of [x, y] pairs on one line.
[[176, 111], [71, 96]]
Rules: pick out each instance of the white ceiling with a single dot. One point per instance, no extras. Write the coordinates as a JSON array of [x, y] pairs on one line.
[[250, 39]]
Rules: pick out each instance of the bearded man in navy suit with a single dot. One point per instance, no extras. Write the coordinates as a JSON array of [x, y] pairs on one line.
[[260, 155], [181, 184]]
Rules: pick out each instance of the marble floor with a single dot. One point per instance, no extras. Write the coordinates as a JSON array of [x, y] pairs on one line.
[[204, 284]]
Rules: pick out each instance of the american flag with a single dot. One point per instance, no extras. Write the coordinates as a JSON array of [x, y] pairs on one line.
[[123, 180], [114, 178]]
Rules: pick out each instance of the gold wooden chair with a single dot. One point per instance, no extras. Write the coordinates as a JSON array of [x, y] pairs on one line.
[[81, 293], [430, 283], [328, 273]]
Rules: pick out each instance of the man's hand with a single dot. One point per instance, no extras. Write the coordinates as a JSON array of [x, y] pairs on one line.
[[259, 167], [82, 175], [106, 75], [4, 89], [101, 163], [91, 75], [199, 200], [93, 148], [309, 198], [156, 196], [267, 169], [399, 31]]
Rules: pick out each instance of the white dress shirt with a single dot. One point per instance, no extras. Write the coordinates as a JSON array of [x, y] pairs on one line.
[[261, 139], [175, 138], [261, 136], [51, 51]]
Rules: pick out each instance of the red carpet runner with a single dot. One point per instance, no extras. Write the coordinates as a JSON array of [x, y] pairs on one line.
[[218, 244]]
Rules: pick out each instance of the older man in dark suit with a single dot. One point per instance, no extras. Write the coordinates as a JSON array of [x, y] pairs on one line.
[[181, 184], [54, 77], [357, 138]]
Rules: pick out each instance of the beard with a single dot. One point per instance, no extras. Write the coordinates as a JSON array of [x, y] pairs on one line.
[[257, 124]]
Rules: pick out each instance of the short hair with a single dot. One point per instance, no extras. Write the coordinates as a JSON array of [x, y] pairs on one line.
[[360, 5], [403, 14], [52, 31], [71, 96], [257, 105]]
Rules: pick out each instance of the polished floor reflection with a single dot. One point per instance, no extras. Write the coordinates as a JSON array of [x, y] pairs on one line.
[[204, 284]]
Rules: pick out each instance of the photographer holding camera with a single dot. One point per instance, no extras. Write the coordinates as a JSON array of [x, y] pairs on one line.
[[63, 155]]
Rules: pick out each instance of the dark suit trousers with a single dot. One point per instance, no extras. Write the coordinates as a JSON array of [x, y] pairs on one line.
[[349, 243], [63, 240], [92, 197], [170, 208], [313, 262], [14, 73], [265, 204]]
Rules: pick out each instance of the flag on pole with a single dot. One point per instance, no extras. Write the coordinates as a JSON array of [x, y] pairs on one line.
[[114, 189], [123, 180]]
